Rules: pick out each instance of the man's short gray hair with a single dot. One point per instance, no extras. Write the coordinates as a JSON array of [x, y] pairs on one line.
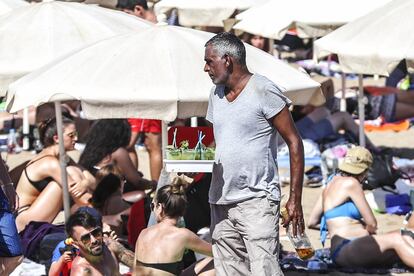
[[228, 44]]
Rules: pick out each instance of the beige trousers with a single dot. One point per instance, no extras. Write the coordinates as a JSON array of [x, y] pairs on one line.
[[246, 238]]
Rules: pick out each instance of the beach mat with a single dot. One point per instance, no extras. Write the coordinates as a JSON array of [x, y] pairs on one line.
[[321, 263]]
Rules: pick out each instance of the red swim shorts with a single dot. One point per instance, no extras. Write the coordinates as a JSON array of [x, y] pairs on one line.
[[145, 125]]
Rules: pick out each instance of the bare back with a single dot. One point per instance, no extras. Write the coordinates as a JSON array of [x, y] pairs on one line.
[[340, 190]]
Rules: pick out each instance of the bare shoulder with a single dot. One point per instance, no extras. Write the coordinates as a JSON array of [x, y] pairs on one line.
[[346, 182]]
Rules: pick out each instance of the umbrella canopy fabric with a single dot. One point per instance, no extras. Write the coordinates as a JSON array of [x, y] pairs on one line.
[[8, 5], [204, 12], [34, 35], [154, 74], [314, 18], [375, 43]]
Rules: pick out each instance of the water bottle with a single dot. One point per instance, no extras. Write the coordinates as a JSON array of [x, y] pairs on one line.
[[301, 242], [11, 141]]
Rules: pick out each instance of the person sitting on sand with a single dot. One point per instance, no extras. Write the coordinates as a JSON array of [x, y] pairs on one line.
[[352, 226], [106, 143], [160, 248], [40, 185]]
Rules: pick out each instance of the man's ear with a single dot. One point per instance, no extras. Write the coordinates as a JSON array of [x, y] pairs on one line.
[[228, 61]]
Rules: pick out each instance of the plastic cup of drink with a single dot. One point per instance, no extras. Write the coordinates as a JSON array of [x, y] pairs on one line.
[[208, 154], [173, 154], [188, 154]]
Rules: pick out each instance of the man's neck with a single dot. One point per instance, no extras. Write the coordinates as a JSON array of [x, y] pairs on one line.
[[95, 260], [237, 82]]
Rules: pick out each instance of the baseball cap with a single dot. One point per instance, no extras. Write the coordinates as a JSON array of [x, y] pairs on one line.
[[356, 161]]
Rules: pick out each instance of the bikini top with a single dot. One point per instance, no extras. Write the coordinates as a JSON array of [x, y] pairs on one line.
[[40, 185], [173, 268], [346, 209]]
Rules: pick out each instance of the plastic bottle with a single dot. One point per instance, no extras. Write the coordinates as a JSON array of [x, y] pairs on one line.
[[11, 141], [301, 242]]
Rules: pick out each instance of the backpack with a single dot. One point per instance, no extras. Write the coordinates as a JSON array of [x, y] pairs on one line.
[[382, 173]]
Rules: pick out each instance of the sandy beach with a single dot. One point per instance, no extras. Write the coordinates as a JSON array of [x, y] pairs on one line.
[[386, 222]]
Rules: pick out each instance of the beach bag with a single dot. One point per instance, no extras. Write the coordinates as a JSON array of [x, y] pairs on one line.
[[382, 173]]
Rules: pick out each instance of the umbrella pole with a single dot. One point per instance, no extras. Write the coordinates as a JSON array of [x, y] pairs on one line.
[[271, 46], [62, 160], [343, 99], [361, 111], [164, 138], [26, 129]]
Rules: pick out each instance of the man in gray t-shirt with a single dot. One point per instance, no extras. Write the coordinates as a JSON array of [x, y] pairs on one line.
[[247, 111]]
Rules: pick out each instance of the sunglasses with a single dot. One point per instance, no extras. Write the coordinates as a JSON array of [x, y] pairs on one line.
[[96, 233]]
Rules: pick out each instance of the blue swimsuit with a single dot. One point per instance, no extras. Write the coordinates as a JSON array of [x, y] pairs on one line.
[[346, 209]]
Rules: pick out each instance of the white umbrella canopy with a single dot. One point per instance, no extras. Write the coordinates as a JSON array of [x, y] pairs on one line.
[[8, 5], [155, 74], [204, 12], [375, 43], [34, 35], [314, 18]]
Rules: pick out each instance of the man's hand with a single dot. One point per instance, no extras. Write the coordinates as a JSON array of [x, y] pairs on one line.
[[12, 197], [295, 217]]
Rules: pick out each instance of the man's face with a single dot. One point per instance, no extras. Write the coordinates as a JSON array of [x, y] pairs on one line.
[[89, 241], [216, 66]]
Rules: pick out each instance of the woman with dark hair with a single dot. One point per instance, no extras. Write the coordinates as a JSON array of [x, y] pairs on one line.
[[109, 199], [40, 185], [106, 143], [345, 213], [160, 248]]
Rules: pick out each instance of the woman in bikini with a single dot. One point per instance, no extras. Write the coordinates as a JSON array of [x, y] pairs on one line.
[[160, 248], [106, 143], [39, 187], [352, 225]]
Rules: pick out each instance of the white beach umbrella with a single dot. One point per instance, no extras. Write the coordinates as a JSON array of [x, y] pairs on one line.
[[155, 74], [34, 35], [310, 18], [8, 5], [204, 12], [372, 44], [375, 43]]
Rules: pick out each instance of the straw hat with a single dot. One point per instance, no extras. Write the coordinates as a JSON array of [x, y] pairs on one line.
[[356, 161]]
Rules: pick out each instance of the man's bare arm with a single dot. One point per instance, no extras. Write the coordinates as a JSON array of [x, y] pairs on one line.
[[122, 254], [283, 122]]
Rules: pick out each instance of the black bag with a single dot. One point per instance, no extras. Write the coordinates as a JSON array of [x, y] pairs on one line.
[[382, 173]]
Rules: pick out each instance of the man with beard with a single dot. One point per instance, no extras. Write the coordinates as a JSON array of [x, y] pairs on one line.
[[94, 258]]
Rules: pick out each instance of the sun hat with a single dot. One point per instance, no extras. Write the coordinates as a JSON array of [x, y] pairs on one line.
[[356, 161]]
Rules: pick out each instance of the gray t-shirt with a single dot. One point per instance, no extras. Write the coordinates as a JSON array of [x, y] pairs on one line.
[[246, 146]]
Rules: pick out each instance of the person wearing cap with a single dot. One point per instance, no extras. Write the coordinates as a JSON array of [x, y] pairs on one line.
[[351, 223]]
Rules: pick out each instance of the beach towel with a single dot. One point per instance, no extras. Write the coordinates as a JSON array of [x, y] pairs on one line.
[[321, 263], [33, 234]]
